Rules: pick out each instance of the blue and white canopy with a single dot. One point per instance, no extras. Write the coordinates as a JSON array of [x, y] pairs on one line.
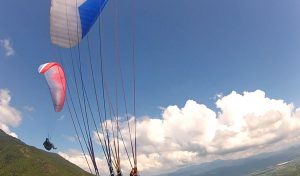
[[71, 20]]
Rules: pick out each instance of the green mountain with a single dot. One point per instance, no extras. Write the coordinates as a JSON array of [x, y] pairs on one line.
[[284, 162], [290, 168], [19, 159]]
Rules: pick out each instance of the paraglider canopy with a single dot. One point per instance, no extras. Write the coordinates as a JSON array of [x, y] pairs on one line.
[[56, 80], [71, 20]]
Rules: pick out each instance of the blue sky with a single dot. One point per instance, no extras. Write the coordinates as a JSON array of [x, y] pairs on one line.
[[184, 50]]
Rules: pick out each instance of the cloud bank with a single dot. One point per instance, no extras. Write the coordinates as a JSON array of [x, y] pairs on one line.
[[9, 116], [244, 125], [78, 158], [7, 46]]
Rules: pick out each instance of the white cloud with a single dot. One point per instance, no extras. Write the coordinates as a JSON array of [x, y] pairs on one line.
[[61, 118], [77, 157], [7, 130], [29, 108], [245, 125], [70, 138], [9, 116], [217, 96], [7, 46]]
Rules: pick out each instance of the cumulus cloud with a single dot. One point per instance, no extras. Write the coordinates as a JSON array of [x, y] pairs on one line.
[[244, 125], [6, 129], [7, 46], [78, 158], [9, 116]]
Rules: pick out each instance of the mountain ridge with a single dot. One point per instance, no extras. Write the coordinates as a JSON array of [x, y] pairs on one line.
[[20, 159], [239, 167]]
